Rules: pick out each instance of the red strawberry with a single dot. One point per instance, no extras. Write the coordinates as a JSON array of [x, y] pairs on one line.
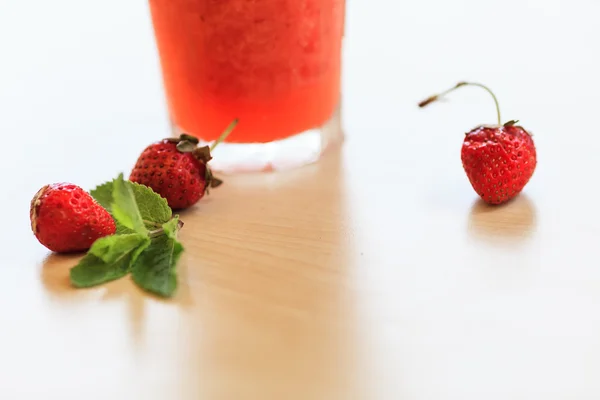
[[65, 218], [176, 168], [499, 160]]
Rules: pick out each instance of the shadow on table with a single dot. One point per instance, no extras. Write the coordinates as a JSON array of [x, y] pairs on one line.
[[512, 222], [54, 276]]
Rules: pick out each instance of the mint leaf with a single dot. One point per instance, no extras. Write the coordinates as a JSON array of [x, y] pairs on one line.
[[122, 229], [109, 258], [103, 194], [124, 207], [155, 269], [111, 248], [92, 271], [153, 208]]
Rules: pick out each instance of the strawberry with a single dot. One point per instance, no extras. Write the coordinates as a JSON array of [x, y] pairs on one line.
[[499, 160], [177, 169], [65, 218]]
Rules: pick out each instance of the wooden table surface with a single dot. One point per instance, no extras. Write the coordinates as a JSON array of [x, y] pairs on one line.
[[373, 274]]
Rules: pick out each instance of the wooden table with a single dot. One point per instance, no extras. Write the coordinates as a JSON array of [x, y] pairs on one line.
[[373, 274]]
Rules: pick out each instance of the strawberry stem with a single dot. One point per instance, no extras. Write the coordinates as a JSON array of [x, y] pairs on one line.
[[438, 96], [225, 133]]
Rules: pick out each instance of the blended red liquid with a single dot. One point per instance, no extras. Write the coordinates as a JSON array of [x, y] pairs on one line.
[[274, 64]]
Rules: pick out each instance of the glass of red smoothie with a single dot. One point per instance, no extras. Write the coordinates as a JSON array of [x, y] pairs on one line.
[[272, 64]]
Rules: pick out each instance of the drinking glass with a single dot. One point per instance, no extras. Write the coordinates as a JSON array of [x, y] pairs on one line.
[[272, 64]]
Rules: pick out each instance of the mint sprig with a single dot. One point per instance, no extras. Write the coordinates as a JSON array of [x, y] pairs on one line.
[[145, 242]]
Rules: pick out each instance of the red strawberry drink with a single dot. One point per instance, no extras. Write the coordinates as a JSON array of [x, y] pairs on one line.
[[273, 64]]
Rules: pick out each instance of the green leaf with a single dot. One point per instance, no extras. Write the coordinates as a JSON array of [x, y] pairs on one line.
[[111, 248], [92, 271], [122, 229], [103, 194], [155, 269], [124, 207], [153, 208], [110, 258]]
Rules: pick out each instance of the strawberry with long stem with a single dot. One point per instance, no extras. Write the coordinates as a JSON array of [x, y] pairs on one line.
[[499, 160]]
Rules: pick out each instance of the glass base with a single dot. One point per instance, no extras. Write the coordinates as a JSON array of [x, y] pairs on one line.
[[298, 150]]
